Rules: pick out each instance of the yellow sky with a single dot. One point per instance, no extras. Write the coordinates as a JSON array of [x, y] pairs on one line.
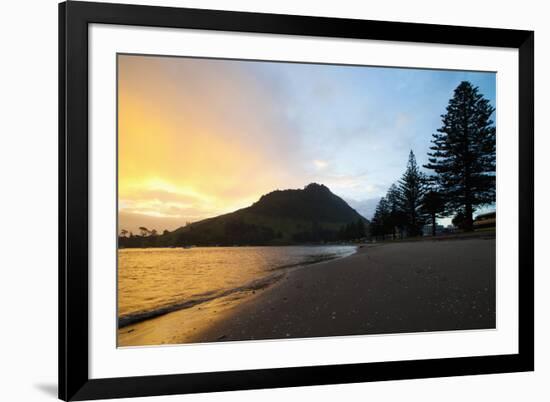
[[201, 137], [194, 140]]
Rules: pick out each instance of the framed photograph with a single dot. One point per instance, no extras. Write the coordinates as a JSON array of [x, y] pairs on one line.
[[257, 200]]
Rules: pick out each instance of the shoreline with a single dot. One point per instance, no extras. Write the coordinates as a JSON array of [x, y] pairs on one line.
[[149, 327], [385, 287], [250, 245], [488, 233], [389, 288], [253, 285]]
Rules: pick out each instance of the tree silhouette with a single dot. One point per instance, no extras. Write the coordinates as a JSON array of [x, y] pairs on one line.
[[459, 220], [352, 231], [411, 190], [396, 218], [361, 229], [464, 152], [143, 231], [433, 204], [380, 224]]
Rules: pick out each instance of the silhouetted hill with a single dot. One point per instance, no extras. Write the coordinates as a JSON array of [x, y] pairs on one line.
[[310, 215], [314, 203]]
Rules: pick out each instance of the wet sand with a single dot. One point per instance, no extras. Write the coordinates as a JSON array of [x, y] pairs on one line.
[[385, 288], [400, 287]]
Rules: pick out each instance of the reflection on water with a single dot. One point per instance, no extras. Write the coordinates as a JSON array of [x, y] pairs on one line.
[[156, 281]]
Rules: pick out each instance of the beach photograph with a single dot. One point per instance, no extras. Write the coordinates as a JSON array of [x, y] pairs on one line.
[[270, 200]]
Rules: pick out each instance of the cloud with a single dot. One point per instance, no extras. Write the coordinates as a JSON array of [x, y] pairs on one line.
[[132, 221], [320, 164], [201, 137]]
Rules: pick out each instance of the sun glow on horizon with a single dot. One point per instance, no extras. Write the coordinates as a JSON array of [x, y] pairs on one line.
[[190, 148], [199, 138]]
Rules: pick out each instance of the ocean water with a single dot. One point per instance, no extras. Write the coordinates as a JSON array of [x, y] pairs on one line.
[[156, 281]]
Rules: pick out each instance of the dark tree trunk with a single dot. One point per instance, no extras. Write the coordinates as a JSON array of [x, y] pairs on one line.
[[433, 224]]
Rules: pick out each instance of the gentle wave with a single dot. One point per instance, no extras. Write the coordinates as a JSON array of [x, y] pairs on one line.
[[252, 285], [134, 318]]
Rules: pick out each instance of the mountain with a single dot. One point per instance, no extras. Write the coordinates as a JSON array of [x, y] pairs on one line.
[[314, 203], [309, 215]]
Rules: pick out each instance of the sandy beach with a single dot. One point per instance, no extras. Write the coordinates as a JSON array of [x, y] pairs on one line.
[[383, 288]]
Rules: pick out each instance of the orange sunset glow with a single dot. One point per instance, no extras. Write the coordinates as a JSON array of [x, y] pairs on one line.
[[202, 137], [188, 144], [209, 250]]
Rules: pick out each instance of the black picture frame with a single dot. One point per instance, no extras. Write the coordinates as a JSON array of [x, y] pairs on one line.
[[74, 381]]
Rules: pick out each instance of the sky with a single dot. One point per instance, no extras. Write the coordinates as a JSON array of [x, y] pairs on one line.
[[201, 137]]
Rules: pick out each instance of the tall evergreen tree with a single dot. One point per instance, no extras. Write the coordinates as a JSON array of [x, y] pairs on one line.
[[412, 187], [379, 223], [396, 216], [433, 205], [361, 229], [464, 152]]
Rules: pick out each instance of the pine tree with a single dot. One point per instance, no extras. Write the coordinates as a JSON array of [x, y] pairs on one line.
[[379, 223], [464, 152], [361, 230], [396, 216], [433, 205], [412, 187]]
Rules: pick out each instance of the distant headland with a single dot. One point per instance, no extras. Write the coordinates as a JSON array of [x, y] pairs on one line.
[[298, 216]]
